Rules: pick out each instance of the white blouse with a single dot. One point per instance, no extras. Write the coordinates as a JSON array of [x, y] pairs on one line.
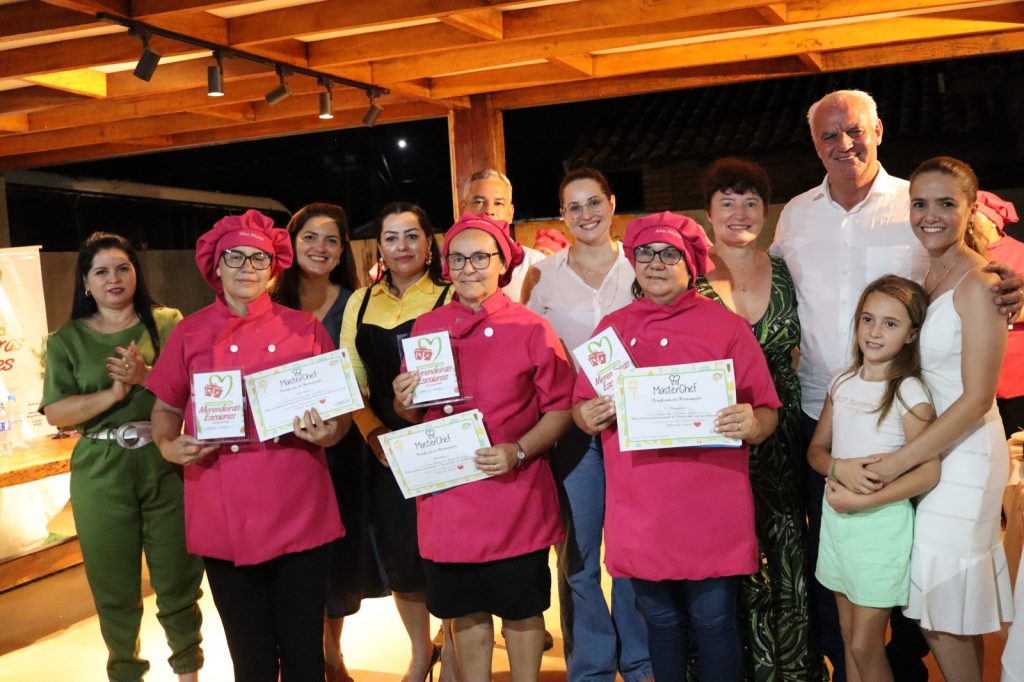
[[571, 305]]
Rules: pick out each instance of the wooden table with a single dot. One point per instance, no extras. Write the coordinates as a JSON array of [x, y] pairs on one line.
[[40, 458]]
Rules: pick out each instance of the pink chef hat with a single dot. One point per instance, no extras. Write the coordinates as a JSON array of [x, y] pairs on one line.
[[550, 239], [511, 250], [677, 230], [252, 228], [995, 209]]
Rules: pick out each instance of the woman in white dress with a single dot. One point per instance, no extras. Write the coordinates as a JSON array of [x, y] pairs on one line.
[[960, 586]]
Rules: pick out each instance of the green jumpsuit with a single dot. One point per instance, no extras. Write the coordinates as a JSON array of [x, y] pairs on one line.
[[127, 502]]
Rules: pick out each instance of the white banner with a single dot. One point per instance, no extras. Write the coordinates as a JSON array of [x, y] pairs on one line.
[[22, 335]]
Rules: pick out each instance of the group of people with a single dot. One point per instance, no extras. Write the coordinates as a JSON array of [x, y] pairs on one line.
[[847, 341]]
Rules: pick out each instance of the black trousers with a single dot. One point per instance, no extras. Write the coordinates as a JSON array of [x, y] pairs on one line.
[[273, 615]]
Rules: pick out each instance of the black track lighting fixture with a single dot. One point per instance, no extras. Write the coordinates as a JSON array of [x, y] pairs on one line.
[[326, 100], [215, 73], [373, 113], [215, 77], [149, 60], [281, 92]]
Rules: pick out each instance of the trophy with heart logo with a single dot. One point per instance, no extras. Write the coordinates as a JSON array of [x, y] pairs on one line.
[[218, 403], [432, 358], [602, 358]]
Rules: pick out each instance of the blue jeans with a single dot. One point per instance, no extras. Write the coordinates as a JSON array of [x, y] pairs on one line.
[[674, 608], [597, 643]]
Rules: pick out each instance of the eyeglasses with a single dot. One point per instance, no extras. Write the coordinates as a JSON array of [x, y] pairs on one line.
[[236, 259], [593, 204], [670, 255], [480, 260]]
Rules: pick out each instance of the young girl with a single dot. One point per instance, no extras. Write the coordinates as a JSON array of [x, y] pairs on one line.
[[680, 521], [875, 406]]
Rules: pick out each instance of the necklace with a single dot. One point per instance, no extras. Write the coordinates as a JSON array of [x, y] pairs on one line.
[[103, 327], [587, 272], [945, 273]]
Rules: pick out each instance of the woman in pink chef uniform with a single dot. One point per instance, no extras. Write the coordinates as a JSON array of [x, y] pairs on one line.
[[485, 544], [260, 514], [680, 521]]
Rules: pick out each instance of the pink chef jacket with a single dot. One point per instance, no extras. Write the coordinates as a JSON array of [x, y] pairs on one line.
[[1009, 251], [682, 513], [511, 362], [251, 502]]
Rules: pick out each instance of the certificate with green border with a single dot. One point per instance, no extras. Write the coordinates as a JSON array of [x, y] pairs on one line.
[[280, 394], [436, 455], [674, 406]]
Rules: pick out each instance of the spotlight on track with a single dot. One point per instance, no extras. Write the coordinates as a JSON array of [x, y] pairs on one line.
[[281, 92], [215, 78], [373, 113], [326, 101], [148, 62]]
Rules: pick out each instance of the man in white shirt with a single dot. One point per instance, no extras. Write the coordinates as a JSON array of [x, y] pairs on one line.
[[836, 238], [489, 192]]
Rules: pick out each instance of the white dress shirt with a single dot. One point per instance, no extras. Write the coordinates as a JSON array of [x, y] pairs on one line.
[[832, 255], [571, 305], [514, 288]]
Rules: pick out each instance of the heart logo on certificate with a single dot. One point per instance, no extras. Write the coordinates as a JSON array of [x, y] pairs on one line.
[[427, 349], [697, 424], [600, 352], [218, 385]]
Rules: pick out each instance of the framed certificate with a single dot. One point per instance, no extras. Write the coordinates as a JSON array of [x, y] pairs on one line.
[[279, 395], [602, 358], [436, 455], [431, 357], [674, 406], [218, 406]]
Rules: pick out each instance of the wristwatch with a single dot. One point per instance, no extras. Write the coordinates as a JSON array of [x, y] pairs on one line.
[[520, 456]]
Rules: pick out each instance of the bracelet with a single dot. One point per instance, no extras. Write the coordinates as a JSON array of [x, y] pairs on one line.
[[832, 470]]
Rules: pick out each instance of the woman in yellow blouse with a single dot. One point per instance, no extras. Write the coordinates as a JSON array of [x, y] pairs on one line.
[[376, 319]]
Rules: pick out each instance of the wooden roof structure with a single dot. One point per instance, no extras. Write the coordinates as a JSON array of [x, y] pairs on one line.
[[67, 92]]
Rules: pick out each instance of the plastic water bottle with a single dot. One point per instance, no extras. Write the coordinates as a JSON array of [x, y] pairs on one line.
[[17, 422], [6, 442]]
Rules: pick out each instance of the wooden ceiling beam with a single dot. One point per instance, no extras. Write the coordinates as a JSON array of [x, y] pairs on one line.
[[799, 11], [509, 52], [580, 64], [24, 100], [36, 19], [14, 123], [926, 51], [337, 15], [774, 14], [821, 39], [184, 75], [500, 79], [82, 53], [621, 86], [399, 42], [149, 9], [592, 15], [122, 7], [121, 131], [485, 23], [814, 61]]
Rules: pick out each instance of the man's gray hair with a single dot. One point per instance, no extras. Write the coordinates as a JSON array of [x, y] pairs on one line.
[[838, 97], [486, 174]]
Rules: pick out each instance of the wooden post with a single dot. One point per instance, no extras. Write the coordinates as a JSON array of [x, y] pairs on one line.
[[476, 140]]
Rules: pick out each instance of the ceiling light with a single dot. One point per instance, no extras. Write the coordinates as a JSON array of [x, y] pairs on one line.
[[147, 62], [326, 101], [281, 92], [373, 113], [215, 78]]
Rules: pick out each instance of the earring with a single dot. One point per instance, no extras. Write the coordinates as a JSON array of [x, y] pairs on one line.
[[88, 294], [430, 258]]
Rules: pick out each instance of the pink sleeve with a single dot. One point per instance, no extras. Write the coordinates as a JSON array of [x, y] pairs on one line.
[[168, 380], [754, 383], [553, 375]]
